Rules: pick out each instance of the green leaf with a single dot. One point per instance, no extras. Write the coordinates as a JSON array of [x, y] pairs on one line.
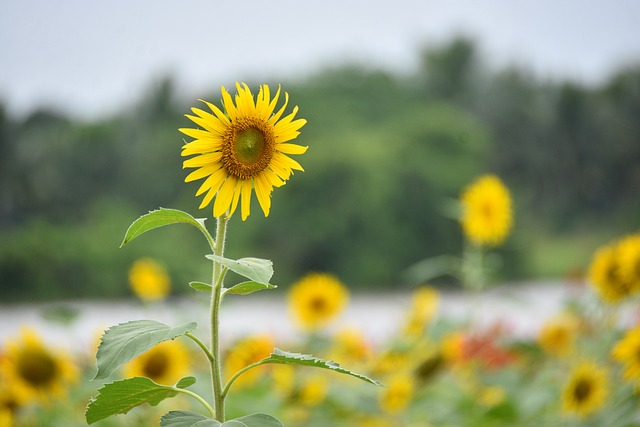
[[191, 419], [160, 218], [186, 382], [254, 420], [246, 288], [123, 342], [255, 269], [187, 419], [280, 357], [201, 286], [119, 397]]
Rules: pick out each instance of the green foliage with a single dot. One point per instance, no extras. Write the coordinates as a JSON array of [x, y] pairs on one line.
[[258, 270], [125, 341], [246, 288], [119, 397], [191, 419], [160, 218]]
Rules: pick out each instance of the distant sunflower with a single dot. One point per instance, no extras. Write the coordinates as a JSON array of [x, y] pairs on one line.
[[586, 390], [627, 352], [149, 280], [242, 148], [557, 336], [604, 275], [424, 306], [629, 260], [36, 372], [397, 395], [166, 363], [486, 211], [317, 299], [246, 351]]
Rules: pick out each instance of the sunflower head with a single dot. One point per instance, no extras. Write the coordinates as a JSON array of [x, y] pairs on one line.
[[627, 352], [486, 211], [557, 336], [149, 280], [396, 396], [317, 299], [244, 146], [246, 351], [165, 363], [605, 275], [586, 390], [36, 372]]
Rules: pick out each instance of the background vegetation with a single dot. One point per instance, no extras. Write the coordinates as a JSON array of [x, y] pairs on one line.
[[388, 155]]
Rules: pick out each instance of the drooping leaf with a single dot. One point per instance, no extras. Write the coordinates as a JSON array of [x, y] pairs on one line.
[[255, 269], [187, 419], [246, 288], [201, 286], [254, 420], [192, 419], [119, 397], [186, 382], [123, 342], [160, 218], [285, 358]]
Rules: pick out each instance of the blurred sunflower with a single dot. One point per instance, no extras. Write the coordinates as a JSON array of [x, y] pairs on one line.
[[166, 363], [557, 335], [604, 275], [242, 148], [629, 260], [313, 390], [424, 306], [627, 352], [397, 395], [317, 299], [248, 350], [149, 280], [350, 346], [486, 211], [586, 390], [35, 372]]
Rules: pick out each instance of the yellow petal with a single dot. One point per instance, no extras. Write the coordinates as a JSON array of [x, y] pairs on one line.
[[274, 119], [236, 197], [202, 172], [224, 197], [219, 114], [200, 147], [229, 107], [202, 160], [246, 198], [263, 193], [198, 133], [291, 148], [213, 182]]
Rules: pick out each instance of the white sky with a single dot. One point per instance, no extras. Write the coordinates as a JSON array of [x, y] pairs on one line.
[[90, 57]]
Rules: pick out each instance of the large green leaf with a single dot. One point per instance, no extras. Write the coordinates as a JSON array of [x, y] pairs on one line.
[[246, 288], [285, 358], [192, 419], [256, 269], [123, 342], [119, 397], [160, 218]]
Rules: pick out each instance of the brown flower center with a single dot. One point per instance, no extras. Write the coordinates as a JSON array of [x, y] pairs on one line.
[[156, 365], [37, 367], [248, 147], [582, 390]]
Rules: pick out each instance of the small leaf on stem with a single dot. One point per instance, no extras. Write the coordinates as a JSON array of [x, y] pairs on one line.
[[160, 218], [246, 288], [255, 269]]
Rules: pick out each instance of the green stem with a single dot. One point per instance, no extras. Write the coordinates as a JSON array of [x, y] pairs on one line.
[[201, 345], [218, 274], [198, 398], [237, 374]]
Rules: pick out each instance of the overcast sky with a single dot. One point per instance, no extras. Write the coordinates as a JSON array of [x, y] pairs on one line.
[[90, 57]]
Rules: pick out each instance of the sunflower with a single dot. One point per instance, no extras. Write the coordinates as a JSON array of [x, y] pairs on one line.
[[317, 299], [586, 389], [557, 336], [248, 350], [36, 372], [165, 363], [396, 396], [627, 352], [604, 275], [486, 211], [424, 306], [242, 148], [149, 280], [629, 260]]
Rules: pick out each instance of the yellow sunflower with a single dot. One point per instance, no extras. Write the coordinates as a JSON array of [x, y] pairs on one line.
[[629, 260], [166, 363], [627, 352], [248, 350], [486, 211], [242, 148], [424, 306], [317, 299], [557, 336], [586, 390], [149, 280], [604, 275], [397, 395], [36, 372]]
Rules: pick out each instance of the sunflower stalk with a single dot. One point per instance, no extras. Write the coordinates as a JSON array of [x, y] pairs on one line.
[[216, 296]]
